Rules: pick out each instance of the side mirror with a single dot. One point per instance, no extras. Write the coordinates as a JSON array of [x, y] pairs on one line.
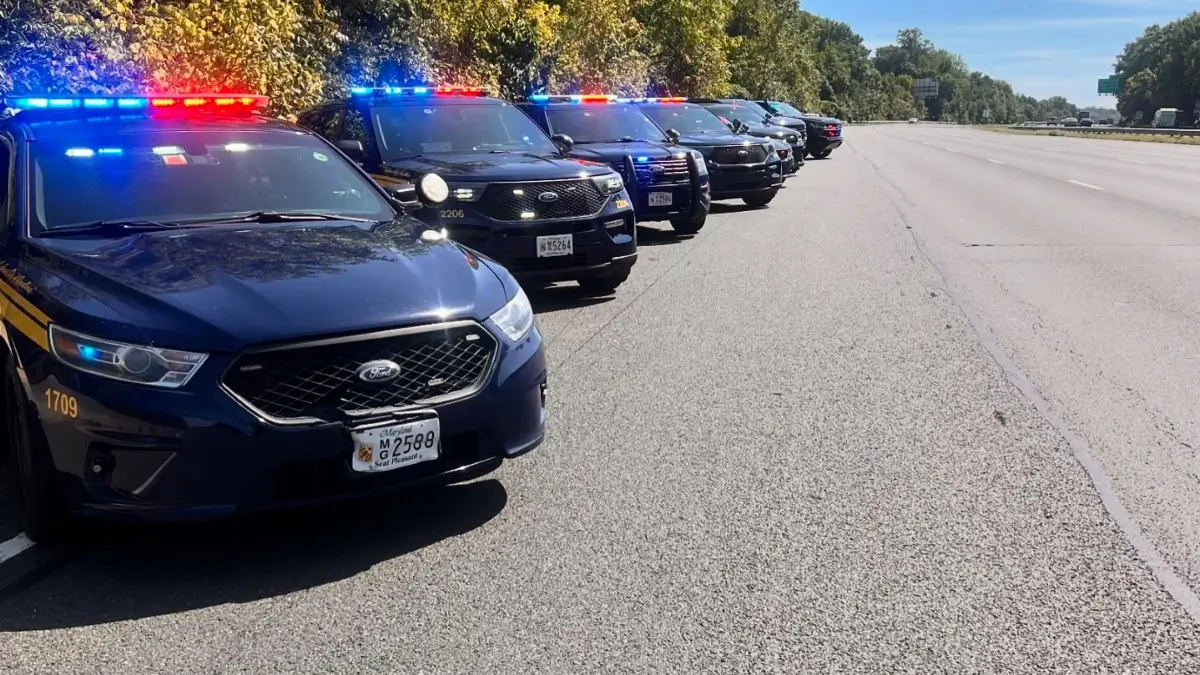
[[564, 142], [736, 124], [353, 149], [672, 135]]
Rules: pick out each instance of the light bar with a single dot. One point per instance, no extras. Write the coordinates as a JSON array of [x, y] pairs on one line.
[[654, 99], [474, 92], [573, 98], [248, 102]]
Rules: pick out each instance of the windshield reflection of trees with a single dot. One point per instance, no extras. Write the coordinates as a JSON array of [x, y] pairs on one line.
[[172, 263]]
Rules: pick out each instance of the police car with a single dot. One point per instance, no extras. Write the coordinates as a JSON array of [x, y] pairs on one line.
[[513, 196], [207, 311], [739, 167], [666, 181]]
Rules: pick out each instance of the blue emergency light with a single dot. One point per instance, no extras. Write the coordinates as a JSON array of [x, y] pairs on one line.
[[418, 91], [151, 102]]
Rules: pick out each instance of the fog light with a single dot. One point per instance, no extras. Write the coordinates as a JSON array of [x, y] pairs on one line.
[[543, 388], [615, 226]]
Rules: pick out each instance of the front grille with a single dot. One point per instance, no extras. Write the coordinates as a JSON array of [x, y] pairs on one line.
[[755, 154], [320, 380], [657, 171], [513, 201]]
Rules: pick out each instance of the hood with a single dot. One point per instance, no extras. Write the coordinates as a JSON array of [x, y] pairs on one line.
[[221, 288], [705, 140], [481, 166], [787, 121], [614, 152], [772, 131]]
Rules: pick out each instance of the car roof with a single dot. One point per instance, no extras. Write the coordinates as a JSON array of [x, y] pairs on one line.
[[52, 125], [402, 101]]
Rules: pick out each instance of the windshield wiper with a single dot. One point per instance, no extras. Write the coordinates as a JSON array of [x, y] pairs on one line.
[[109, 228], [280, 217], [623, 139]]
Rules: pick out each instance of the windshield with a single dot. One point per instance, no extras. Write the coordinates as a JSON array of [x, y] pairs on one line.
[[432, 128], [761, 111], [787, 109], [173, 176], [598, 123], [686, 119], [735, 111]]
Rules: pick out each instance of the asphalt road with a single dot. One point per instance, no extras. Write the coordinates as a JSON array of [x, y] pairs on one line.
[[861, 430]]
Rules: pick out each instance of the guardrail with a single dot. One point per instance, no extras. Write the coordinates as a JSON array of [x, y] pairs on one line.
[[1141, 131]]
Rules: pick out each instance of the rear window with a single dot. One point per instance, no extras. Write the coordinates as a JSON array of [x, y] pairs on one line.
[[174, 176]]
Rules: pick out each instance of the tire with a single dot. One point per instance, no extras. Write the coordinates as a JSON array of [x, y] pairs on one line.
[[604, 285], [683, 225], [43, 514], [761, 199], [822, 154]]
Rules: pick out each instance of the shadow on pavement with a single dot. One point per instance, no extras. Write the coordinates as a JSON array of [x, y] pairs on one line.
[[139, 572], [652, 236], [559, 298], [733, 207]]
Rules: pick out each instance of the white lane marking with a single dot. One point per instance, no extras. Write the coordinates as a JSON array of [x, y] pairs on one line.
[[1134, 161], [951, 150], [1053, 150], [995, 161], [1086, 185], [14, 547], [924, 142]]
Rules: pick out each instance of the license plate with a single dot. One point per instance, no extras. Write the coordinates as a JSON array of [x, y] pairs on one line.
[[395, 446], [555, 245], [661, 198]]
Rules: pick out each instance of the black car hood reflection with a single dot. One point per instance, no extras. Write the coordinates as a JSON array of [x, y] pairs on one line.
[[221, 288], [716, 139], [613, 152], [484, 166]]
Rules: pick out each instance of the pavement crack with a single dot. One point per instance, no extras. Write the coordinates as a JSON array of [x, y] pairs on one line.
[[1170, 581]]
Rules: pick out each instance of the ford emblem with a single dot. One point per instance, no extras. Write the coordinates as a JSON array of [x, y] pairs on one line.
[[378, 371], [742, 153], [548, 197]]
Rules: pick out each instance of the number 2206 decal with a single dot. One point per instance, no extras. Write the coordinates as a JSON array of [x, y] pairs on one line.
[[451, 213], [62, 404]]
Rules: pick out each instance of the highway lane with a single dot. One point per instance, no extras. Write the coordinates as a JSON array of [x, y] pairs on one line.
[[782, 447], [1094, 293]]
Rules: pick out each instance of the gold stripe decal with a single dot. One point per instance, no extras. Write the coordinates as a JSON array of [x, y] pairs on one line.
[[23, 323], [6, 288]]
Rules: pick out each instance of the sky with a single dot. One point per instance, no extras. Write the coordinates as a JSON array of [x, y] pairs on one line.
[[1042, 48]]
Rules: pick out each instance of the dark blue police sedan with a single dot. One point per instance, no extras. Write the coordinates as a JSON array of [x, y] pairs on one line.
[[206, 311]]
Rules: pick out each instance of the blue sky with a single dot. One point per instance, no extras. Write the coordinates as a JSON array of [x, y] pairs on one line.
[[1041, 47]]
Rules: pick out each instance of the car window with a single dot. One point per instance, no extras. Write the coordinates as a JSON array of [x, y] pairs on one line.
[[327, 123], [686, 119], [183, 175], [600, 123], [355, 128], [424, 129]]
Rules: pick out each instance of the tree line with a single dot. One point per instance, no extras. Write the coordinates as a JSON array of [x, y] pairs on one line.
[[300, 52], [1161, 69]]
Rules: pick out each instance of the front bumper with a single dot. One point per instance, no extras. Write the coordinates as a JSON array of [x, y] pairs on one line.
[[733, 181], [600, 245], [145, 454], [822, 143]]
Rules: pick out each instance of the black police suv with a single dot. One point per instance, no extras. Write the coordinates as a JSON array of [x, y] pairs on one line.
[[207, 311], [738, 167], [741, 117], [513, 195], [666, 181], [824, 133]]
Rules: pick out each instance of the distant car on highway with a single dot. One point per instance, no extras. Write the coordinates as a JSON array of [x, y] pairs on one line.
[[1085, 122], [1052, 122], [1070, 122], [912, 120]]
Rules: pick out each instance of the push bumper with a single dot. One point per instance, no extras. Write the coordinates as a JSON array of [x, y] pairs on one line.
[[150, 455]]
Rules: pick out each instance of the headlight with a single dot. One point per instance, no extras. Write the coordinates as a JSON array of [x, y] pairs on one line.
[[169, 368], [466, 192], [516, 318], [432, 189], [609, 184]]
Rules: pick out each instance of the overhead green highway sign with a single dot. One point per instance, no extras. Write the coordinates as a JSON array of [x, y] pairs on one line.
[[1109, 85]]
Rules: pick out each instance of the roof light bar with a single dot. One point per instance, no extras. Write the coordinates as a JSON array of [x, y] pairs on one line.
[[654, 99], [247, 102], [574, 98], [474, 92]]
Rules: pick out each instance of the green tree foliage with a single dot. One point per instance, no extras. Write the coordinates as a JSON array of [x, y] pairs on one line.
[[300, 51], [1161, 69]]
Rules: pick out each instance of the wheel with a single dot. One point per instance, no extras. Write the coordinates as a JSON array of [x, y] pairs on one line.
[[604, 285], [761, 199], [43, 515], [822, 154], [685, 225]]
